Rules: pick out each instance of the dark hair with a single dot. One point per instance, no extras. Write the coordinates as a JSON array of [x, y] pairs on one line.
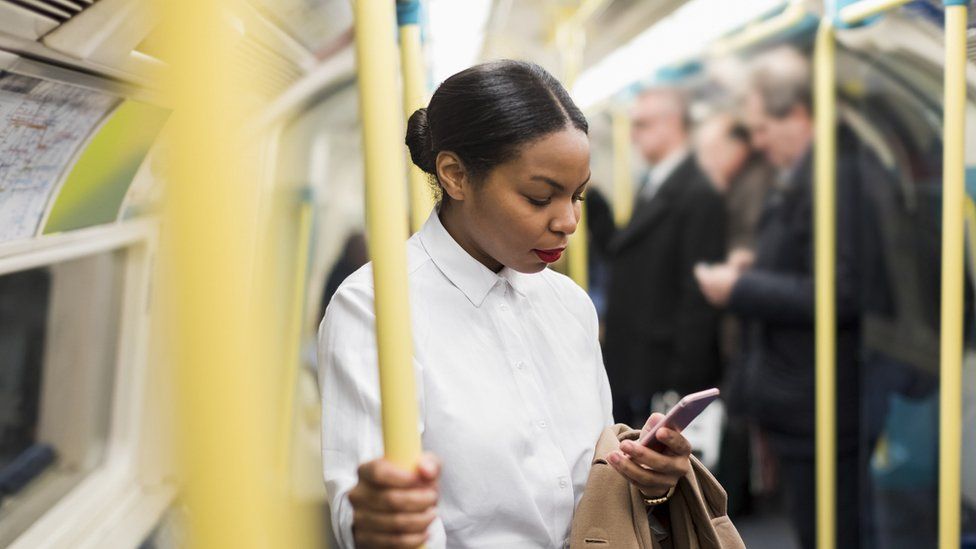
[[485, 113], [739, 132]]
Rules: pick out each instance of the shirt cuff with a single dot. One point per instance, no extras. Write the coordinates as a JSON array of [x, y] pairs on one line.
[[343, 524]]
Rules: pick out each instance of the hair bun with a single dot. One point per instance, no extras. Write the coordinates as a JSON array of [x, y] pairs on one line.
[[418, 140]]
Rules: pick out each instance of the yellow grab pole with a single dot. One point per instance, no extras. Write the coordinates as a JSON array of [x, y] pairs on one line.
[[293, 340], [414, 97], [570, 38], [623, 185], [207, 272], [953, 204], [859, 11], [825, 240], [386, 204]]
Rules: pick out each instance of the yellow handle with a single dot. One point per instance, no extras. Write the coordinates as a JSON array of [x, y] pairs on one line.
[[386, 209], [414, 97], [825, 241], [623, 185], [293, 341], [953, 203]]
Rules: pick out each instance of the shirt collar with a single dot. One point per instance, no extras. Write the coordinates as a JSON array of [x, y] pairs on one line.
[[663, 169], [465, 272]]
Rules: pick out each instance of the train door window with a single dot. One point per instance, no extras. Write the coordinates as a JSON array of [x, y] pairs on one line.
[[59, 328]]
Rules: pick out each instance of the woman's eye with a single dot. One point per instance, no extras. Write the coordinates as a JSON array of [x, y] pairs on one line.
[[538, 202], [579, 198]]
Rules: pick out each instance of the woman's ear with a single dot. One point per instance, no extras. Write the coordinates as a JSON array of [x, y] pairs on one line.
[[452, 175]]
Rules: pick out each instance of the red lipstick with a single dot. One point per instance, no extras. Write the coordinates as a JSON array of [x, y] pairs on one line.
[[549, 256]]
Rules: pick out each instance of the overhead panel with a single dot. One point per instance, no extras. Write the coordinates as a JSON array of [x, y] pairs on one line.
[[32, 19], [315, 24], [106, 33]]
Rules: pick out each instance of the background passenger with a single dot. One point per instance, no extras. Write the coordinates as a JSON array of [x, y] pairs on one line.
[[661, 334], [354, 255], [744, 178], [777, 296], [738, 172]]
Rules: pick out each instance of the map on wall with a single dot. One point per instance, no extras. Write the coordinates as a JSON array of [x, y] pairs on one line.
[[42, 126]]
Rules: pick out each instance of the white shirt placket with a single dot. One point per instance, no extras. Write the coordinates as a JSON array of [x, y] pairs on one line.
[[509, 309]]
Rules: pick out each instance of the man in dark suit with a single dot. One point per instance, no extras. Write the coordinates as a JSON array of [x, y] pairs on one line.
[[661, 334]]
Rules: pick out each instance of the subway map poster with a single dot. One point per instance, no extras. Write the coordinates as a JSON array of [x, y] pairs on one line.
[[42, 126]]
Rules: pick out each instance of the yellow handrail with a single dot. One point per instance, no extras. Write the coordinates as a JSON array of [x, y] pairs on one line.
[[207, 269], [386, 205], [953, 201], [623, 185], [825, 243], [754, 33], [859, 11], [570, 39], [293, 341], [414, 97]]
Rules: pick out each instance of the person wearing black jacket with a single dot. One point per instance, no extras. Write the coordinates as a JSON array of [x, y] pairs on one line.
[[775, 297], [661, 334]]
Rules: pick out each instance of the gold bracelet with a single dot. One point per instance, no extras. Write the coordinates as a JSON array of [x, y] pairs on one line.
[[651, 502]]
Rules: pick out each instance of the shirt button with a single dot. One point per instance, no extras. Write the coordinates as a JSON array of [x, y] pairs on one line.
[[503, 307], [520, 365], [563, 483], [543, 424]]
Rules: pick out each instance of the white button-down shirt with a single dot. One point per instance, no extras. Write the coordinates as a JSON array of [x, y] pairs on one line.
[[511, 387]]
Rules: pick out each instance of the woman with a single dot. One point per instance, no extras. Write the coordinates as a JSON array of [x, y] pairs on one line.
[[511, 386]]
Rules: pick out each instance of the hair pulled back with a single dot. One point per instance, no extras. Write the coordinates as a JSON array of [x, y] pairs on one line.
[[485, 113]]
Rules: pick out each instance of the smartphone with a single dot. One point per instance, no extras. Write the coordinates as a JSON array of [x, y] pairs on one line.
[[679, 417]]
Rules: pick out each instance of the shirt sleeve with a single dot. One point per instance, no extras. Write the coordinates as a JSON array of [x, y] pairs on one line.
[[351, 425]]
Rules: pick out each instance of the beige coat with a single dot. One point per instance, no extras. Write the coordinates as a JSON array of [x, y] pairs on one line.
[[612, 514]]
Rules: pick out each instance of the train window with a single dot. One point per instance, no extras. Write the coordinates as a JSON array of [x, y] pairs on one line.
[[23, 317], [58, 338]]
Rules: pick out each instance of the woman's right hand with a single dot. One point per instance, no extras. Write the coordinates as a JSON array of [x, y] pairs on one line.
[[392, 507]]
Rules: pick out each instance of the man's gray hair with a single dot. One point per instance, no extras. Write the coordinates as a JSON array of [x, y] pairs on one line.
[[676, 98], [782, 78]]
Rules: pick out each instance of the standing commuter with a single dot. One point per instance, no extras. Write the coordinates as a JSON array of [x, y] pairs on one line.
[[743, 177], [776, 296], [511, 386], [661, 334]]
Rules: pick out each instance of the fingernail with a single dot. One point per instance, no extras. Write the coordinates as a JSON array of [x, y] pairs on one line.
[[614, 458], [626, 445]]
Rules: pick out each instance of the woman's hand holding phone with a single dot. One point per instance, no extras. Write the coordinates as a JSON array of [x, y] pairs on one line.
[[393, 507], [654, 473]]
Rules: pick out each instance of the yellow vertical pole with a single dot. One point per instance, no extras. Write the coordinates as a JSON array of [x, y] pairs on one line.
[[570, 40], [293, 337], [386, 204], [953, 204], [623, 185], [825, 181], [414, 97], [207, 269]]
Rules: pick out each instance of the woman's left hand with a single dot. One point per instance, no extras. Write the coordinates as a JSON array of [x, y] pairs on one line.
[[653, 473]]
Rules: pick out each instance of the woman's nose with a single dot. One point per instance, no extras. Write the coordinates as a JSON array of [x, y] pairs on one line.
[[566, 219]]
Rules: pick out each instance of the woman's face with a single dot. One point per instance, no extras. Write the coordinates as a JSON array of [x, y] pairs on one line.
[[521, 215]]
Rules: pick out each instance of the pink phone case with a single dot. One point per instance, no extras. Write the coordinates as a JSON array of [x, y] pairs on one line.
[[680, 416]]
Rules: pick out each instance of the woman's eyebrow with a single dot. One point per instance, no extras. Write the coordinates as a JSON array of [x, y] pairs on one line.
[[557, 184]]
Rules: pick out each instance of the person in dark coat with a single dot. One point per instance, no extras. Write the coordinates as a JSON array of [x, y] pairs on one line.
[[776, 297], [661, 334]]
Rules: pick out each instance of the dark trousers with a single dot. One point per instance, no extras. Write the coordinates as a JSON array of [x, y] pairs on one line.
[[798, 476]]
